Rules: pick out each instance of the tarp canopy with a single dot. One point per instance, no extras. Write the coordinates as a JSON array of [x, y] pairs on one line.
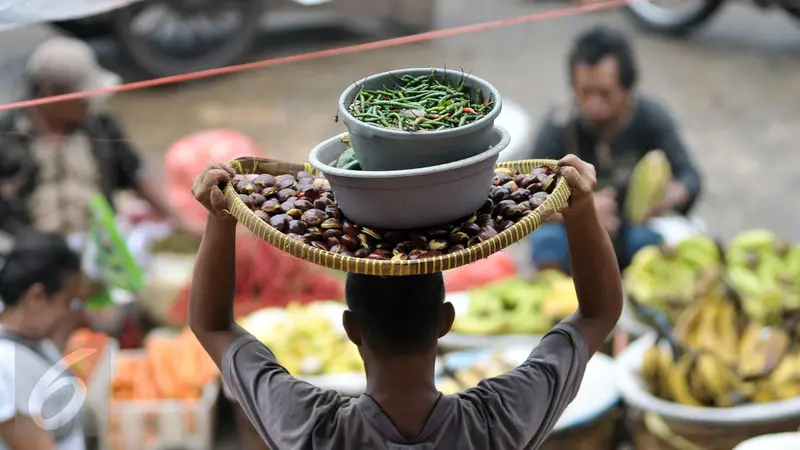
[[21, 13]]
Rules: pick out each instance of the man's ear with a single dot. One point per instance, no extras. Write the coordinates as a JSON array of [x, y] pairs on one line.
[[351, 327], [448, 316]]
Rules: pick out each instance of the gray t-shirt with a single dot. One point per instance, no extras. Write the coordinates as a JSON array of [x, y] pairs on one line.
[[516, 410]]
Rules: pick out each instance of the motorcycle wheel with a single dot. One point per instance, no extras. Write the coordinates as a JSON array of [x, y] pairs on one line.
[[792, 9], [84, 28], [185, 36], [671, 20]]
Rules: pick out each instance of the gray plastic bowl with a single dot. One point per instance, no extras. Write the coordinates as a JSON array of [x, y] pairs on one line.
[[380, 148], [414, 198]]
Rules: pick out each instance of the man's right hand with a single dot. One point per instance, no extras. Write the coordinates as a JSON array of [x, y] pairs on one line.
[[605, 202], [206, 189]]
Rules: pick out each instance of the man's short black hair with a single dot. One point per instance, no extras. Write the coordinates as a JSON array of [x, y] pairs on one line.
[[36, 257], [397, 315], [598, 43]]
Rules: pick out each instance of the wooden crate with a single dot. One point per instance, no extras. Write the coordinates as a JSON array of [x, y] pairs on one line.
[[160, 424]]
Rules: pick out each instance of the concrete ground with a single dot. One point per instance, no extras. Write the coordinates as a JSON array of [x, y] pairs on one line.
[[734, 87]]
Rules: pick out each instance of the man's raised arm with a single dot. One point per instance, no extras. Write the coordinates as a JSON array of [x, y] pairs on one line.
[[214, 279], [594, 264]]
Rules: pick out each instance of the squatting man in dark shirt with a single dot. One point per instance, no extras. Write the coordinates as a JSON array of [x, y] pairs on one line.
[[612, 126], [395, 322]]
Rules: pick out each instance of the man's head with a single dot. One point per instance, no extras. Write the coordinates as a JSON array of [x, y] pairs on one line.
[[396, 316], [603, 73], [62, 65]]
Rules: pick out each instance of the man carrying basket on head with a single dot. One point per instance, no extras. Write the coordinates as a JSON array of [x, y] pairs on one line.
[[395, 322]]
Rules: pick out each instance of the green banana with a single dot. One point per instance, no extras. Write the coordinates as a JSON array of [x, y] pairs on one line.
[[699, 252], [647, 185], [745, 281]]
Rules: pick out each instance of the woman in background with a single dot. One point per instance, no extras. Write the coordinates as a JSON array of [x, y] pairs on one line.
[[39, 280]]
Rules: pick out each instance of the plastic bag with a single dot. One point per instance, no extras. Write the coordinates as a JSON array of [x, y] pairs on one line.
[[106, 255], [187, 157], [495, 267]]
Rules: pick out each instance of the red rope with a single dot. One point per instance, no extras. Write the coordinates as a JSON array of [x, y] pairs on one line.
[[404, 40]]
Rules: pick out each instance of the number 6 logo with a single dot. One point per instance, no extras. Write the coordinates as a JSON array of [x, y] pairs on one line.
[[50, 383]]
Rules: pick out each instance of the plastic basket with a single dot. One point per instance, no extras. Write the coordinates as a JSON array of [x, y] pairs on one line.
[[556, 202], [662, 425]]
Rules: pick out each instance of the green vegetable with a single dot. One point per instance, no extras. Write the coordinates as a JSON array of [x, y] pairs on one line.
[[347, 160], [417, 104]]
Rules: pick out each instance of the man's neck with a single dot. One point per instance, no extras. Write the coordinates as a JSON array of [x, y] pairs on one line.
[[404, 387]]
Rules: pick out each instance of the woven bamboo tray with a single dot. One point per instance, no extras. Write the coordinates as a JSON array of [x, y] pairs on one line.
[[556, 202]]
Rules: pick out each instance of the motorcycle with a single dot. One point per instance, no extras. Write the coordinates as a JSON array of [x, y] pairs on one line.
[[681, 17], [171, 37]]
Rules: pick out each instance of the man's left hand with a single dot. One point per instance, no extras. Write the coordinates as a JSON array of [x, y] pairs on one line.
[[675, 196]]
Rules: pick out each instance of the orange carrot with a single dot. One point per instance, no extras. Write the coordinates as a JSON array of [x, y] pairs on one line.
[[159, 350]]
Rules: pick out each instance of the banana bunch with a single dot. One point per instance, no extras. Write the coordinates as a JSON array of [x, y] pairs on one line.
[[465, 378], [765, 270], [519, 306], [308, 339], [725, 359], [647, 186], [669, 279]]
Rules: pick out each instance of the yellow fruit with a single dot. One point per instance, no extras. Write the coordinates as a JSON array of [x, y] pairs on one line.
[[678, 381], [561, 300], [647, 186], [761, 350]]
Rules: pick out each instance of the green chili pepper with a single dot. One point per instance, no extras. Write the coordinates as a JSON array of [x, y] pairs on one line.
[[443, 103]]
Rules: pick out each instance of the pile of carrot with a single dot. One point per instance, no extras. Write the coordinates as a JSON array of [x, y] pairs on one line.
[[170, 368], [84, 350], [267, 277]]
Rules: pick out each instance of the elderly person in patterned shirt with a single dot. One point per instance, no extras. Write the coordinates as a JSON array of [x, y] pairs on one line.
[[56, 156]]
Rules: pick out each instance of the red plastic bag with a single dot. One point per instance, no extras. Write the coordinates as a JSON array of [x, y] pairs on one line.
[[498, 266], [187, 157]]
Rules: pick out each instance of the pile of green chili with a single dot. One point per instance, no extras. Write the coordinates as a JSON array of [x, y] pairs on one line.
[[423, 103]]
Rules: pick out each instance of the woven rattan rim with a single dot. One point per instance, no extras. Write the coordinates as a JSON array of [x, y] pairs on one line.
[[556, 202]]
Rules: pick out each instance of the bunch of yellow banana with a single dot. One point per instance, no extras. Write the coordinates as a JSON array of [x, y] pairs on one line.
[[725, 359], [647, 186], [308, 339], [669, 279], [766, 272]]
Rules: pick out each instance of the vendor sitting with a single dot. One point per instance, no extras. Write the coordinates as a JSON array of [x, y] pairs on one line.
[[612, 127]]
